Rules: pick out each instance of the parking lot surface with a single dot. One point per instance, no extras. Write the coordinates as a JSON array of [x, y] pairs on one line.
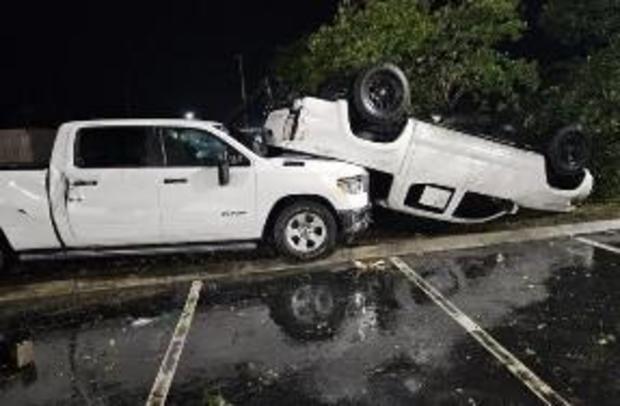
[[96, 350], [352, 334]]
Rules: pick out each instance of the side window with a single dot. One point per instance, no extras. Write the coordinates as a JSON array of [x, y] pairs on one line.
[[191, 147], [117, 147]]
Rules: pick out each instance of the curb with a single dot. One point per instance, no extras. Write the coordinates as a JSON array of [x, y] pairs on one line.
[[341, 260]]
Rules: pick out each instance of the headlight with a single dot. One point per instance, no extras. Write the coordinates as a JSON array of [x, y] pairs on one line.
[[354, 184]]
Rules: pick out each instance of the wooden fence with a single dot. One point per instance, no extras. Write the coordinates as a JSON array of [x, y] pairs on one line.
[[30, 146]]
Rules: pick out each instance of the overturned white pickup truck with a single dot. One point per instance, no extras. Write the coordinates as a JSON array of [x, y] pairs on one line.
[[430, 171]]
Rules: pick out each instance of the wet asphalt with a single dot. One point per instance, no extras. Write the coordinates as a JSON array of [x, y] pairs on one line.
[[358, 337]]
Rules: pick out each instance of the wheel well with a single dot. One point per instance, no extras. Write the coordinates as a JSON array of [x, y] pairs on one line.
[[287, 201]]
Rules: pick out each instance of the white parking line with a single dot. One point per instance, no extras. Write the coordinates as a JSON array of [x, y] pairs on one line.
[[168, 366], [541, 389], [597, 244]]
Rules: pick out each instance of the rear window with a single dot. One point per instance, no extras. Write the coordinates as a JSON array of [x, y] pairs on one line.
[[118, 147]]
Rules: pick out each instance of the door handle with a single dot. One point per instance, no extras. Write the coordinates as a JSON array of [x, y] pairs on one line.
[[84, 183], [173, 181]]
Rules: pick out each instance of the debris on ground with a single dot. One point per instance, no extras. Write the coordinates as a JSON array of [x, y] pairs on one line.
[[24, 354], [216, 400], [142, 322], [377, 266], [606, 339]]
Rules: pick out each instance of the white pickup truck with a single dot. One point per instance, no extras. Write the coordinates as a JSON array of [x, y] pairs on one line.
[[147, 186], [427, 170]]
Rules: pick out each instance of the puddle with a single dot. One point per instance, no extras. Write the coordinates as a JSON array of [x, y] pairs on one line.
[[323, 339], [358, 337], [98, 350], [555, 305]]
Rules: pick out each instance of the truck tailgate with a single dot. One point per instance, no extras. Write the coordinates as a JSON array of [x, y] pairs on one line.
[[24, 210]]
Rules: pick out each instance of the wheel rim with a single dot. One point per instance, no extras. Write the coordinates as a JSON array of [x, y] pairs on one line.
[[306, 232], [384, 93]]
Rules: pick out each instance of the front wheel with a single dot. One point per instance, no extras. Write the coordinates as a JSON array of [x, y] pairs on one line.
[[305, 231]]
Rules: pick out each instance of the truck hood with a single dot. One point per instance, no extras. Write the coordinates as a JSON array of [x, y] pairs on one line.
[[322, 166]]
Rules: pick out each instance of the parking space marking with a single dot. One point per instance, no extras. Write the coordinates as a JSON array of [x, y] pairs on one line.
[[597, 244], [540, 388], [168, 366]]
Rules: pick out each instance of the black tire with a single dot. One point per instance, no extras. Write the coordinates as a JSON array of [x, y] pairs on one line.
[[311, 243], [568, 151], [381, 95]]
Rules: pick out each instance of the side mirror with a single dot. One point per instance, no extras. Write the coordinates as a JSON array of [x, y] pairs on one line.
[[223, 169]]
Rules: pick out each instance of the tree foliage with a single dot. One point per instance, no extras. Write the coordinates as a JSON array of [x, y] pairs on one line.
[[586, 88], [582, 23], [450, 52]]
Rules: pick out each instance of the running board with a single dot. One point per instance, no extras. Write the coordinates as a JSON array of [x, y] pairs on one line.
[[139, 251]]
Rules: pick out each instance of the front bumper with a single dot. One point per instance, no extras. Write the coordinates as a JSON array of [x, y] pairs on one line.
[[354, 222]]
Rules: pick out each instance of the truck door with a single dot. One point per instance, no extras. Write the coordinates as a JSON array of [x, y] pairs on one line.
[[112, 191], [195, 207]]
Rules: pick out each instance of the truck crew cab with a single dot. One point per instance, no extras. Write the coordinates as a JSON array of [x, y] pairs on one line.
[[126, 186]]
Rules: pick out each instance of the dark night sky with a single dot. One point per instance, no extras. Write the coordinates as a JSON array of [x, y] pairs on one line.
[[73, 60]]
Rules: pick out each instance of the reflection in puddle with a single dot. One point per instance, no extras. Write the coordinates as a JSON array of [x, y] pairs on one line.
[[363, 337], [96, 351], [367, 338]]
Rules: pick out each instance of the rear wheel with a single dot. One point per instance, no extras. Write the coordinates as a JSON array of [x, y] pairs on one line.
[[305, 231]]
